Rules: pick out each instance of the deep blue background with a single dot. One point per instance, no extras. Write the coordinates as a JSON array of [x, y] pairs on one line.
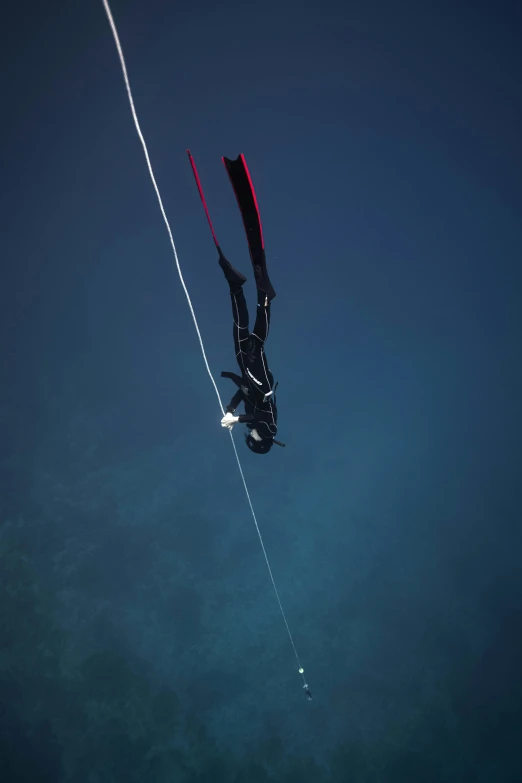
[[140, 635]]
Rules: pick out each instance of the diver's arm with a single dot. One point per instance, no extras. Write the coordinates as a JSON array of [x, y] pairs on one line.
[[229, 419], [234, 402], [245, 417]]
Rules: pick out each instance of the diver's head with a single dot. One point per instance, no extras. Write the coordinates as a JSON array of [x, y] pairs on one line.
[[257, 444]]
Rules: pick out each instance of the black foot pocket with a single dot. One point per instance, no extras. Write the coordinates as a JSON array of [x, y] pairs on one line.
[[263, 282], [234, 278]]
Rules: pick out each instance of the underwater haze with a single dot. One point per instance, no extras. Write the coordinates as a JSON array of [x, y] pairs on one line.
[[140, 635]]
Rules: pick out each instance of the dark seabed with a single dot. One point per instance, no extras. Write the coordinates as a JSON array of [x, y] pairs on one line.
[[140, 637]]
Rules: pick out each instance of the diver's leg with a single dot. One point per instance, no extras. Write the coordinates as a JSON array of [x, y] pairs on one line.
[[240, 328], [262, 324], [239, 307], [257, 366]]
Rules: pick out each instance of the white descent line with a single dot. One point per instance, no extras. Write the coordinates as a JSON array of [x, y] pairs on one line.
[[160, 202]]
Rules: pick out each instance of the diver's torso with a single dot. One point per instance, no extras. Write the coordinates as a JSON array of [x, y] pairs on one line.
[[257, 383], [265, 416]]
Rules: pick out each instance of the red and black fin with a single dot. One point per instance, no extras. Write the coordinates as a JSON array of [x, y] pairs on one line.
[[241, 182], [202, 196], [234, 278]]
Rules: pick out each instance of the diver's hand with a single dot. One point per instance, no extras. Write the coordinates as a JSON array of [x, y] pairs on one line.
[[229, 420]]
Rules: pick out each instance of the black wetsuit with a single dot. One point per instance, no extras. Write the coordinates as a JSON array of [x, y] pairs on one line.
[[256, 380], [256, 383]]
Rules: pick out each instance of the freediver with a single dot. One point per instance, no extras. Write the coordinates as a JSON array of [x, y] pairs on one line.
[[256, 383]]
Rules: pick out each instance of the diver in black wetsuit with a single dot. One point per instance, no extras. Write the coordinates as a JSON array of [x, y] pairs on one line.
[[256, 383]]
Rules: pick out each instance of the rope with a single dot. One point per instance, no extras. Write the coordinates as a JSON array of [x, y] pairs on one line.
[[162, 209]]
